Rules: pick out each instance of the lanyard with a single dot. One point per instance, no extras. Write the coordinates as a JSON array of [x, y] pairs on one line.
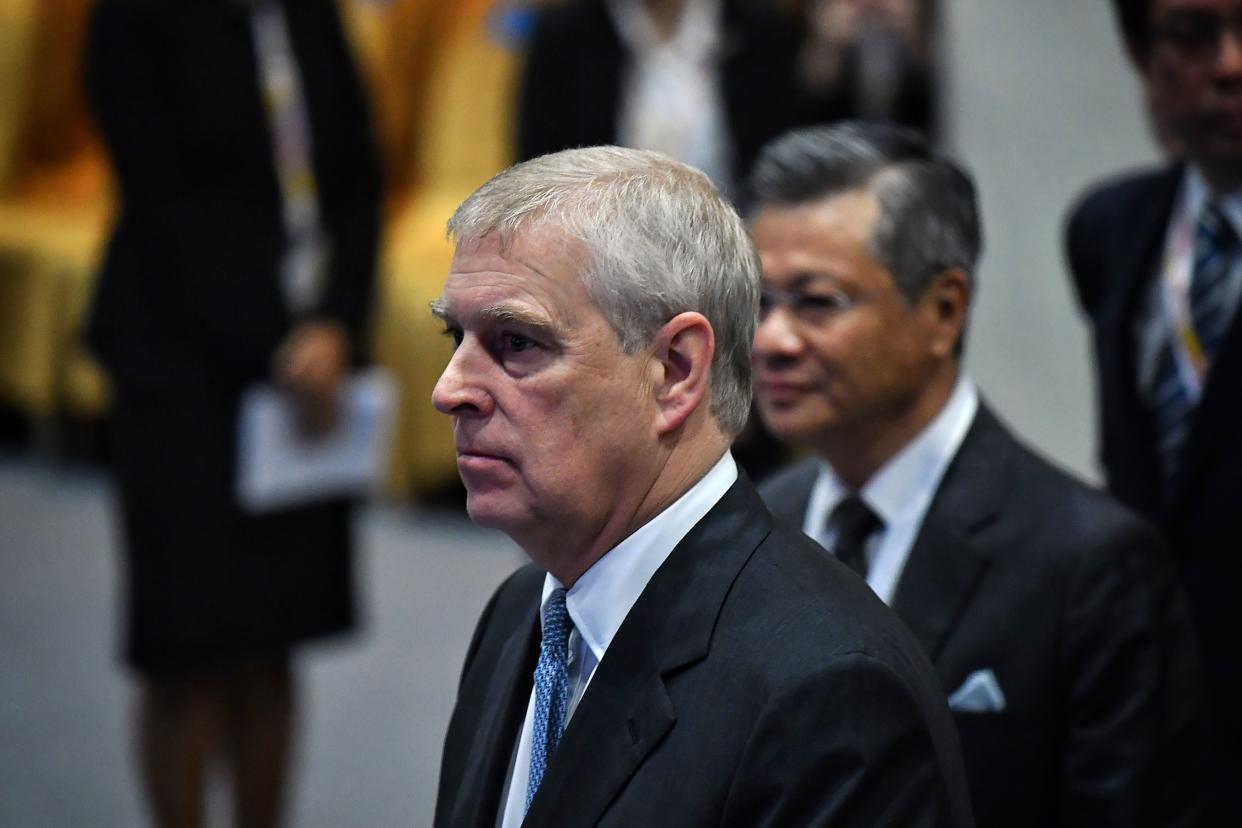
[[1175, 293]]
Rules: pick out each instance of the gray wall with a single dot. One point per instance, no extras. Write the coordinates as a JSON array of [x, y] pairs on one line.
[[1040, 101]]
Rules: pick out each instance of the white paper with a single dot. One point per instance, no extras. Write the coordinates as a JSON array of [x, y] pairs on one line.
[[278, 465]]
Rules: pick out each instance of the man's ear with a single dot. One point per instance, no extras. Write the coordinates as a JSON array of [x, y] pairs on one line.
[[681, 368], [947, 303]]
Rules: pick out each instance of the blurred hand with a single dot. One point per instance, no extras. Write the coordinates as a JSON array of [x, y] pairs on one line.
[[311, 363]]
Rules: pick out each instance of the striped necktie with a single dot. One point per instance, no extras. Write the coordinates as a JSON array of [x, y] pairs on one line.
[[1215, 251]]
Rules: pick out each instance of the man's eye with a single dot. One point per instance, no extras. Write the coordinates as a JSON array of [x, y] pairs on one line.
[[1190, 31], [518, 343], [454, 334], [820, 302]]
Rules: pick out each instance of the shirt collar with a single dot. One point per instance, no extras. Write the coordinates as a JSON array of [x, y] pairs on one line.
[[696, 33], [1195, 194], [602, 597], [905, 481]]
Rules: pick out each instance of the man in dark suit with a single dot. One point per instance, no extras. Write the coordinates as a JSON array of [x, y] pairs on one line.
[[1156, 265], [1048, 610], [671, 658]]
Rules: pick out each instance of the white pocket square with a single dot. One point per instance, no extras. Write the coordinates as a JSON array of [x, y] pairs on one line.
[[980, 693]]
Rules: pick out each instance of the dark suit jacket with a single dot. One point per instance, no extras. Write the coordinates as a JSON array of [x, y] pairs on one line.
[[576, 63], [754, 683], [1115, 237], [1064, 595], [189, 286]]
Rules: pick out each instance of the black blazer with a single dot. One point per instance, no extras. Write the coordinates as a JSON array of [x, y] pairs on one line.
[[754, 682], [571, 87], [1115, 238], [189, 286], [1068, 599]]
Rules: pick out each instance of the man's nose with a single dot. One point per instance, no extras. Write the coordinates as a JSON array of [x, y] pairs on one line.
[[461, 388], [777, 336]]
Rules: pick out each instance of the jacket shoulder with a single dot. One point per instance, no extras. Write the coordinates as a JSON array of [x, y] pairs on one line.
[[785, 491], [1102, 222], [1116, 196], [1064, 520]]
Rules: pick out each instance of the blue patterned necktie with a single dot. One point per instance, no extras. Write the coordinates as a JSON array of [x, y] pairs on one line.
[[1214, 256], [551, 689]]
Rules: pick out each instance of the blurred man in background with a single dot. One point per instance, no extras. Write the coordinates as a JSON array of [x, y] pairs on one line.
[[1051, 614], [1157, 265]]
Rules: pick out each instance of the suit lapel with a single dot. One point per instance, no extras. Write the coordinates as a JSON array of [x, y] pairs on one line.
[[627, 709], [1127, 423], [503, 712], [945, 564]]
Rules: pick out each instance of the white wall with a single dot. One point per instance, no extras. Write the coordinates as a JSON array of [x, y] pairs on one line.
[[1039, 102]]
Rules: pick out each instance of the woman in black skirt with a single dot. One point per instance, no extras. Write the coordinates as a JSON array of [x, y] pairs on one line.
[[244, 251]]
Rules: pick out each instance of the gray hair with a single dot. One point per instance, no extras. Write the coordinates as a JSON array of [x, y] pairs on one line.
[[660, 239], [928, 218]]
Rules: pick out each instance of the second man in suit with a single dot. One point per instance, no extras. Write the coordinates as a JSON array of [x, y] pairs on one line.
[[1048, 611]]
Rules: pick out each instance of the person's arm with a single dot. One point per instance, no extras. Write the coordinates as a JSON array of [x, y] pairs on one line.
[[1132, 695], [353, 216], [317, 353], [848, 746], [126, 81]]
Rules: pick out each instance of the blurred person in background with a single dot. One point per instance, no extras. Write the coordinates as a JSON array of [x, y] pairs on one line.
[[1052, 615], [707, 82], [869, 59], [1157, 265], [243, 251]]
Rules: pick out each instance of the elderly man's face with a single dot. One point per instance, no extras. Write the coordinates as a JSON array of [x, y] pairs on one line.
[[1193, 77], [550, 417], [839, 354]]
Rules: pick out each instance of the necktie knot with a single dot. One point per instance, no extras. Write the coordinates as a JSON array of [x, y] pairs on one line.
[[1214, 231], [556, 623], [853, 521]]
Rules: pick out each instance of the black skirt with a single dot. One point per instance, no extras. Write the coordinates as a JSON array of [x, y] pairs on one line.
[[206, 583]]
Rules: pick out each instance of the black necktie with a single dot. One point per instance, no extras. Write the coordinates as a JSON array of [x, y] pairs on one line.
[[854, 522]]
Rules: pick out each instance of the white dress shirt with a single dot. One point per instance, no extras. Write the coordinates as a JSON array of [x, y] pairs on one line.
[[601, 599], [671, 97], [899, 493]]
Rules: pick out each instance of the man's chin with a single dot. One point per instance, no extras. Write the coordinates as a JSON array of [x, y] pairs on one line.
[[491, 510]]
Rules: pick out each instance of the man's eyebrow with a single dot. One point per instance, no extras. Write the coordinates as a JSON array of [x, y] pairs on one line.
[[804, 278], [509, 313], [498, 314]]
